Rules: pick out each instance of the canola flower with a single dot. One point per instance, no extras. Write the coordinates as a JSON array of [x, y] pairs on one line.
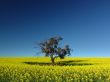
[[26, 73], [35, 73]]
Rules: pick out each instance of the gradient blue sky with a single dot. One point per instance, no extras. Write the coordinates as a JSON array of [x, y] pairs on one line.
[[84, 24]]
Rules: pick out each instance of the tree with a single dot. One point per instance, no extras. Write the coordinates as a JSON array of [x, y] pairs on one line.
[[51, 48]]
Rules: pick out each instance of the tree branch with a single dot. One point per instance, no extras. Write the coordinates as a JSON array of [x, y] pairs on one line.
[[56, 57]]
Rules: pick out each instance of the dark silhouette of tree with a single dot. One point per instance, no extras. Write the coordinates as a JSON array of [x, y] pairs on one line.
[[52, 49]]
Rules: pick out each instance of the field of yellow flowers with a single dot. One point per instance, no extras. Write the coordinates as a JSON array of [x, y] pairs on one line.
[[67, 70]]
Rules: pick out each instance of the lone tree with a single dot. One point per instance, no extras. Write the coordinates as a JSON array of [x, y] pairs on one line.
[[52, 49]]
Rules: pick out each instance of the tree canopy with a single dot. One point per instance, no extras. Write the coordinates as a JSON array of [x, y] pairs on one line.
[[51, 48]]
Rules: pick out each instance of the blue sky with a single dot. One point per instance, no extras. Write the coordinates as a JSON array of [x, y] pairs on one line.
[[84, 25]]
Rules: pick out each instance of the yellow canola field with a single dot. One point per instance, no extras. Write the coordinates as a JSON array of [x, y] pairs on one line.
[[75, 70]]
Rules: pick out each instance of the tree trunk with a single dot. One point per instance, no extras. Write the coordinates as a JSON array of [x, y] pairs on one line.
[[53, 60]]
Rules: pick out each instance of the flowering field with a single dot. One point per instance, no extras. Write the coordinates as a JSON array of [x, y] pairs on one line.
[[67, 70]]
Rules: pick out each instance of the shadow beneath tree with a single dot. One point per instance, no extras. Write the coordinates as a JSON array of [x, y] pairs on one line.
[[61, 63]]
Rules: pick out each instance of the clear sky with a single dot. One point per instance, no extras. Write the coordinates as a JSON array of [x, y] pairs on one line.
[[84, 25]]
